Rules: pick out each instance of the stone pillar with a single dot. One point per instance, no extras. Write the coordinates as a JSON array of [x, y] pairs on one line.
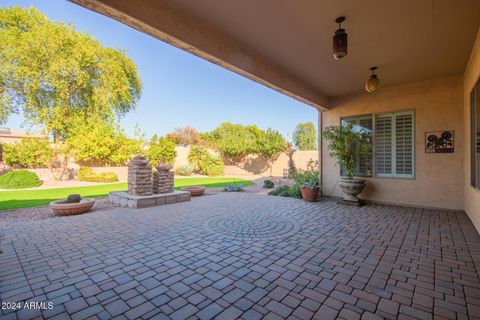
[[163, 180], [139, 177]]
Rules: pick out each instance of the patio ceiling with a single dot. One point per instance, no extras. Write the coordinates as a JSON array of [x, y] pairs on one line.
[[286, 44]]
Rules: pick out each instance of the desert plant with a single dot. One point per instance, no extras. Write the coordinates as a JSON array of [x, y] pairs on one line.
[[307, 178], [268, 184], [185, 170], [342, 141], [233, 187], [287, 191], [87, 174], [290, 151], [19, 179], [203, 162]]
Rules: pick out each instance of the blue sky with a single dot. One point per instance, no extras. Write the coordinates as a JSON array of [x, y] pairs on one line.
[[179, 89]]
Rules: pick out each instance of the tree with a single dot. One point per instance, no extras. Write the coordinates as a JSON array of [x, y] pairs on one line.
[[343, 143], [234, 141], [305, 136], [290, 151], [185, 136], [56, 76], [102, 142], [161, 151], [271, 144]]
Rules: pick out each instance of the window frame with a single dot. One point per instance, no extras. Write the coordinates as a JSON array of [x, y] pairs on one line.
[[474, 127], [357, 118], [373, 116]]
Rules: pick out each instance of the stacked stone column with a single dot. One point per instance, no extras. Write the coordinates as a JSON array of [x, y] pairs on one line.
[[140, 177], [163, 180]]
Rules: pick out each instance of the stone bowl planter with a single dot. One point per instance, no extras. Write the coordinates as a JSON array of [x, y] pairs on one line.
[[194, 190], [163, 168], [63, 208], [351, 188]]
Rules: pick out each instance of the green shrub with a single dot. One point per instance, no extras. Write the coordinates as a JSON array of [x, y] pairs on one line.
[[19, 179], [268, 184], [233, 187], [185, 170], [28, 153], [161, 151], [87, 174], [204, 162], [293, 191]]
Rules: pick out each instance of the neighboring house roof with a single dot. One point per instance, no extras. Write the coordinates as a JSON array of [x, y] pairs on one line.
[[12, 133]]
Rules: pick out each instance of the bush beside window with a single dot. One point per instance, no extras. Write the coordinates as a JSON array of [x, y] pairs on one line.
[[19, 179], [87, 174]]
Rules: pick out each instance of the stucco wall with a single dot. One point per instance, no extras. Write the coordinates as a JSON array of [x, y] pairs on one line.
[[472, 74], [438, 105]]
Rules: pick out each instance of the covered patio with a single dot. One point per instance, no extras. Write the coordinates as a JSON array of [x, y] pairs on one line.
[[412, 253], [248, 256]]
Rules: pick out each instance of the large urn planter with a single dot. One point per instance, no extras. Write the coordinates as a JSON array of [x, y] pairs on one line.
[[309, 194], [351, 188], [64, 208]]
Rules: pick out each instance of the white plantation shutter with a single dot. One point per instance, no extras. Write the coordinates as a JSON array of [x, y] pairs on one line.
[[383, 145], [404, 145], [394, 145]]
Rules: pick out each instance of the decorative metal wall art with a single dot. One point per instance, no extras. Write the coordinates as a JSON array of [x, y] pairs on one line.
[[440, 142]]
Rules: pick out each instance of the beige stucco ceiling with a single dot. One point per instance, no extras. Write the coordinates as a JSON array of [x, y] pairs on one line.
[[409, 40], [286, 44]]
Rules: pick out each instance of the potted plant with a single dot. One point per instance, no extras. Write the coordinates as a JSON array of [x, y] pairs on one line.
[[308, 181], [342, 145]]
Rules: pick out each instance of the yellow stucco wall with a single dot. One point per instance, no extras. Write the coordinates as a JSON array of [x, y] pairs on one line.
[[439, 178], [472, 74]]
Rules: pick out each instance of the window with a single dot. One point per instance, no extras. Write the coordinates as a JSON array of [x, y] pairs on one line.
[[394, 145], [363, 159], [475, 135]]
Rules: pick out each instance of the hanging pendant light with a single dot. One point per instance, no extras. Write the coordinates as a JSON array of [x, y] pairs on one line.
[[340, 40], [373, 82]]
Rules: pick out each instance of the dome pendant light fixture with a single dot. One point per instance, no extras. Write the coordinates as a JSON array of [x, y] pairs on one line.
[[339, 40], [373, 82]]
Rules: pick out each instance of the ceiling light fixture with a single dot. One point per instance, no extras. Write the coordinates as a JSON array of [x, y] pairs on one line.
[[373, 82], [340, 40]]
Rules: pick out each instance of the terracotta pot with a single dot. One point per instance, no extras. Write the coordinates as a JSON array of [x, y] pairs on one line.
[[351, 188], [309, 194], [63, 208], [194, 190]]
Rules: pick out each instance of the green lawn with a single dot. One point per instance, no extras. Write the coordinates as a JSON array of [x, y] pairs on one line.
[[40, 197]]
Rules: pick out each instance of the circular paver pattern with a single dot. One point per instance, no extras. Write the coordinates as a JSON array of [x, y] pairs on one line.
[[253, 226]]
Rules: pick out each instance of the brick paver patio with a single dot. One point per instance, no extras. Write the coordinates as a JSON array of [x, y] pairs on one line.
[[245, 256]]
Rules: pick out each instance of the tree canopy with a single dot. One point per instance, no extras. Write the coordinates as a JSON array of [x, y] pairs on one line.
[[305, 136], [235, 141], [185, 136], [54, 73], [161, 151], [58, 77]]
